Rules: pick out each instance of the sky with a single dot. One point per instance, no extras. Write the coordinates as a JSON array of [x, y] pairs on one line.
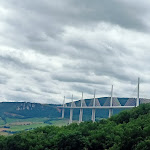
[[51, 49]]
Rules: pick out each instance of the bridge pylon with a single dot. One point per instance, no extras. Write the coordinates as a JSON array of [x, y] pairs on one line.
[[138, 91], [63, 110], [111, 103], [81, 110], [71, 111], [93, 110]]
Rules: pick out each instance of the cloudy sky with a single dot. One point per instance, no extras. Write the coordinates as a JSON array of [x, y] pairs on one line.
[[49, 49]]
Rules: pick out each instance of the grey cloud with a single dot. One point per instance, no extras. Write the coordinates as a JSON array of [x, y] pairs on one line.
[[27, 90], [49, 90], [72, 46], [26, 98], [101, 90], [48, 19], [113, 11], [78, 77], [3, 81], [83, 88], [20, 62], [4, 78], [14, 63]]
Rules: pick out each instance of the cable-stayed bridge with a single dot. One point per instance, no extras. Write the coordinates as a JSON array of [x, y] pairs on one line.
[[101, 103]]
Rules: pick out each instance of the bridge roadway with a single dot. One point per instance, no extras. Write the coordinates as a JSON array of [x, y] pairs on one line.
[[97, 107]]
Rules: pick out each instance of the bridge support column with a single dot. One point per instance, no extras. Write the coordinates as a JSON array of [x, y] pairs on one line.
[[81, 111], [93, 110], [138, 89], [110, 112], [111, 103], [93, 114], [81, 115], [71, 115], [71, 111], [63, 111]]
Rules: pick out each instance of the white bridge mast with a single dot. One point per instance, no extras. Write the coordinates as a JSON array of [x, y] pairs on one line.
[[71, 111], [63, 110], [93, 110], [81, 110], [138, 95], [111, 103]]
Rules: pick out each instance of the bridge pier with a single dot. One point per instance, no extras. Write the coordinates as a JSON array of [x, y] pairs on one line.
[[71, 115], [110, 112], [111, 103], [71, 111], [138, 89], [93, 115], [81, 115], [63, 110], [93, 110], [81, 111]]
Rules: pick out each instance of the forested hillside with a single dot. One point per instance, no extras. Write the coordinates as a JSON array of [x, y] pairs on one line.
[[129, 130], [28, 110]]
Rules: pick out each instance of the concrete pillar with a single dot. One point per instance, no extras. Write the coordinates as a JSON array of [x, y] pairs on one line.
[[110, 112], [93, 114], [71, 115], [111, 103], [71, 111], [93, 109], [111, 100], [63, 110], [81, 111], [81, 115], [138, 91]]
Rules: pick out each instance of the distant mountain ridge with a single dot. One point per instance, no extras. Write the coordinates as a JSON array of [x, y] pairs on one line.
[[28, 110]]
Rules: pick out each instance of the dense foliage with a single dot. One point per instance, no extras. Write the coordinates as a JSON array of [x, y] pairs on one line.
[[128, 130]]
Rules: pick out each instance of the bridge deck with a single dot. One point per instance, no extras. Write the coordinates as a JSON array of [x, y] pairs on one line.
[[98, 107]]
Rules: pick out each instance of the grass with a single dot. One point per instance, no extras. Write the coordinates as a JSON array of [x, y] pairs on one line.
[[2, 121], [59, 122], [12, 120], [16, 125], [4, 133], [26, 127]]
